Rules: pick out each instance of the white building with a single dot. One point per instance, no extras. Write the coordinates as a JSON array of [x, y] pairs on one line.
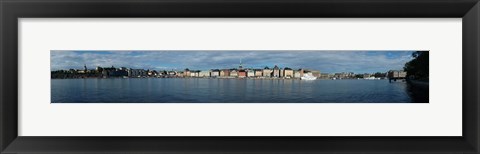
[[296, 74], [194, 73], [250, 73], [215, 73], [267, 72], [234, 73], [204, 74]]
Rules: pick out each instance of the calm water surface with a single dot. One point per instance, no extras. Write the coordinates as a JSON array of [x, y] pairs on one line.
[[199, 90]]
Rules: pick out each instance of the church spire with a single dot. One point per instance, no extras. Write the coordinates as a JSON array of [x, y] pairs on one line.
[[240, 66]]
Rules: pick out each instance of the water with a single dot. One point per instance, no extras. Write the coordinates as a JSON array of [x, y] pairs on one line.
[[199, 90]]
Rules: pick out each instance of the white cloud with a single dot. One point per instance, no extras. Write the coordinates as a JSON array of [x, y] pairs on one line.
[[325, 61]]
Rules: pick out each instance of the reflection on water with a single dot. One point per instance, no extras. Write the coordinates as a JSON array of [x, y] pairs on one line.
[[198, 90], [418, 93]]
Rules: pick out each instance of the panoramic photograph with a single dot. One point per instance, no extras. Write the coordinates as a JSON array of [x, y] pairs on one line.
[[239, 76]]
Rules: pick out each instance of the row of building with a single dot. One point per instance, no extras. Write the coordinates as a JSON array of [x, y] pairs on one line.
[[240, 72], [266, 72]]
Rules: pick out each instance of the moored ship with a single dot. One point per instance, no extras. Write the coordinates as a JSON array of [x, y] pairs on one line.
[[308, 77]]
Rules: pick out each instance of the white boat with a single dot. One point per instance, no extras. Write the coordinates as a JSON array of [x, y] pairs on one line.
[[308, 77], [372, 78]]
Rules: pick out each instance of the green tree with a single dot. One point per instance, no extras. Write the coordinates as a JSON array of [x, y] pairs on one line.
[[418, 67], [379, 75]]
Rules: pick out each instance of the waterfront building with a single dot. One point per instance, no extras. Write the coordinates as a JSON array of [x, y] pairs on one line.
[[288, 72], [234, 73], [396, 74], [179, 74], [350, 74], [296, 74], [300, 72], [366, 75], [282, 71], [258, 72], [130, 72], [186, 72], [276, 71], [225, 72], [344, 75], [325, 75], [250, 73], [315, 73], [215, 73], [242, 73], [267, 72], [195, 73], [204, 74], [341, 75]]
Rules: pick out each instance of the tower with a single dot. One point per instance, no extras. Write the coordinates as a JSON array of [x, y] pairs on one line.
[[240, 67], [85, 67]]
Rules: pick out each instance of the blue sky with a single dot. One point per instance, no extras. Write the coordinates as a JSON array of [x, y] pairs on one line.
[[326, 61]]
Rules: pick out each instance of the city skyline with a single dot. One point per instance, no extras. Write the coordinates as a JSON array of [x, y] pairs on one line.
[[325, 61]]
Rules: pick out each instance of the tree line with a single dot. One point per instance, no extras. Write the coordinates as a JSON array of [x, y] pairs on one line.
[[418, 67]]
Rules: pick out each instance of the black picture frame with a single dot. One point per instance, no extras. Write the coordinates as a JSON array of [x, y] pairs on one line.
[[12, 10]]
